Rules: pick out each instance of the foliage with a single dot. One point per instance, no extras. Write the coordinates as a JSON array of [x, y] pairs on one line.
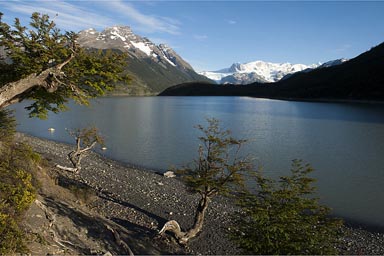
[[11, 238], [283, 217], [33, 49], [219, 168], [16, 187], [7, 126]]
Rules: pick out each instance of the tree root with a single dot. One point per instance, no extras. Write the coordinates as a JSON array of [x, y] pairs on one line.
[[118, 240], [174, 227], [51, 217]]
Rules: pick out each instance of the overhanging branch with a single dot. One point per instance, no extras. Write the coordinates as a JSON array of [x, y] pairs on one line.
[[49, 79]]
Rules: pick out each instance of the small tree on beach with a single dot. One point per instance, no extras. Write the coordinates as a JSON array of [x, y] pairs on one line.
[[86, 139], [282, 217], [218, 170]]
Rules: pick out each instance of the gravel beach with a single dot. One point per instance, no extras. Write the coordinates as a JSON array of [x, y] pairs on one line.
[[142, 200]]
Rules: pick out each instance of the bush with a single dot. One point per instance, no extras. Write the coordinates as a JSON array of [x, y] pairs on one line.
[[282, 217], [7, 127], [11, 238], [17, 192]]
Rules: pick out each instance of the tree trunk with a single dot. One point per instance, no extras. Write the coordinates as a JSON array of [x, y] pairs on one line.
[[77, 155], [199, 217], [14, 92], [174, 227]]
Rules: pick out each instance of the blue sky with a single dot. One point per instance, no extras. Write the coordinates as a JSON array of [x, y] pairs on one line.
[[211, 35]]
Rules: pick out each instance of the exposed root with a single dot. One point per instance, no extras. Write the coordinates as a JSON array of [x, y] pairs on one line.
[[119, 241], [51, 217], [174, 227]]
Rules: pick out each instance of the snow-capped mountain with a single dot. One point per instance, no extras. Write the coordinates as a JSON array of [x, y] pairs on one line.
[[260, 71], [332, 63], [256, 71], [122, 37], [153, 67]]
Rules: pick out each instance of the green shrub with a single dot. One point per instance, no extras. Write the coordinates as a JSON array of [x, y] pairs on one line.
[[282, 217], [11, 238], [17, 163], [7, 127]]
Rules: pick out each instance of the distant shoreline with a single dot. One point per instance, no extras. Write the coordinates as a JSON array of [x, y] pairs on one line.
[[320, 100]]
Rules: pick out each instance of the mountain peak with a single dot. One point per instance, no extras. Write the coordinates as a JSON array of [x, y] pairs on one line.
[[255, 71], [145, 57], [261, 71]]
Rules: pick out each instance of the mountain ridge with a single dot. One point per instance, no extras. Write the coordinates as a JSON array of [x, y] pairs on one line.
[[152, 67]]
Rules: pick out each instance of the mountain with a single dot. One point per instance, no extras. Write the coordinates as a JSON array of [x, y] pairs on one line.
[[360, 78], [332, 63], [319, 66], [261, 72], [256, 71], [152, 67]]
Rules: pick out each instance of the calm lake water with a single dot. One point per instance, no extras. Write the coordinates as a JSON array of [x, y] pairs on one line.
[[343, 142]]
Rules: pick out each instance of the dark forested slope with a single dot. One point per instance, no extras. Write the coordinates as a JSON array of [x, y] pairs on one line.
[[361, 78]]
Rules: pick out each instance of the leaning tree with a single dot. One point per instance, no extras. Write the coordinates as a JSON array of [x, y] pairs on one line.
[[218, 170], [47, 66]]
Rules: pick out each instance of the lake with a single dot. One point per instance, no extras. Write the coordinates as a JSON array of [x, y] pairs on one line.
[[344, 142]]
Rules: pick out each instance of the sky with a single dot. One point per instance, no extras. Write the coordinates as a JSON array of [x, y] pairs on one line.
[[212, 35]]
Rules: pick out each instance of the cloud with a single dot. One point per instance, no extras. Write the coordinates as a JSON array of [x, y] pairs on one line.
[[200, 37], [70, 17], [78, 15], [145, 22], [231, 22], [342, 48]]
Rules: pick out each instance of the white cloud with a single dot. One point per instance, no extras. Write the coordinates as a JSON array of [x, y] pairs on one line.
[[144, 22], [78, 15], [342, 48], [232, 22], [200, 37], [70, 16]]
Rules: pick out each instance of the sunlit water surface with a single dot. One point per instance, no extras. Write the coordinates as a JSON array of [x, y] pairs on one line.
[[343, 142]]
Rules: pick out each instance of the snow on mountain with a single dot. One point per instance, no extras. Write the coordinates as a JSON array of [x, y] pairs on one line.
[[153, 68], [256, 71], [142, 47], [122, 37], [332, 63]]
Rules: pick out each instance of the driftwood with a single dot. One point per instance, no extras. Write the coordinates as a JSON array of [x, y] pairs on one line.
[[69, 169]]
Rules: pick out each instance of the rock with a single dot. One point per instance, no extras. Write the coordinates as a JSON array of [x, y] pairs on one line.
[[169, 174]]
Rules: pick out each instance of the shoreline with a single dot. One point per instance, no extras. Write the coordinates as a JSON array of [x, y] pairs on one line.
[[140, 197], [142, 200], [349, 222], [323, 100]]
